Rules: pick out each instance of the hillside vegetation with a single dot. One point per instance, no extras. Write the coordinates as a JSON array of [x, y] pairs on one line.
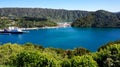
[[99, 18], [50, 14], [29, 55], [25, 22]]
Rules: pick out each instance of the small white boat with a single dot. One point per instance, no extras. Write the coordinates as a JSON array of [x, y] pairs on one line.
[[12, 30]]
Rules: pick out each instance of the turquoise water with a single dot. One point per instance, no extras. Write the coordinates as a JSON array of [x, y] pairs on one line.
[[66, 38]]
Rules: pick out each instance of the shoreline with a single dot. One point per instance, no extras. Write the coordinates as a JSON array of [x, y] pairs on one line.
[[36, 28], [60, 25]]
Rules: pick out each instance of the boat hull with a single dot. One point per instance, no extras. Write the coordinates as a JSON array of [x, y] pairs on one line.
[[3, 32]]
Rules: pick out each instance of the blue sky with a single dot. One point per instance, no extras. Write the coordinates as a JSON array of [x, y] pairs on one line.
[[89, 5]]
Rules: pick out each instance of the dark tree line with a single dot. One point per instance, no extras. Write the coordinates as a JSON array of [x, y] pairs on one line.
[[25, 22], [34, 19]]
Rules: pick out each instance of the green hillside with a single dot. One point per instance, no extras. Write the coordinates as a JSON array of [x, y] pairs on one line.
[[99, 18], [50, 14]]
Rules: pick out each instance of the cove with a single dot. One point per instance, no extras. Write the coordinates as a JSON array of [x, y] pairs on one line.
[[66, 38]]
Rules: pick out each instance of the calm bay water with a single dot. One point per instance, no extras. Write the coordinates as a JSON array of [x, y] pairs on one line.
[[66, 38]]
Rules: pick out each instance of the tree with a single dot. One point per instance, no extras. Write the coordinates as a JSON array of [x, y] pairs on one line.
[[83, 61], [32, 59]]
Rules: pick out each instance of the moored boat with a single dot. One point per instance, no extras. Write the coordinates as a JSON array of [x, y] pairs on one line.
[[12, 30]]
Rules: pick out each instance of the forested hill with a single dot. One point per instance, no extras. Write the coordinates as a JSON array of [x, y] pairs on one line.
[[50, 14], [99, 18], [118, 15]]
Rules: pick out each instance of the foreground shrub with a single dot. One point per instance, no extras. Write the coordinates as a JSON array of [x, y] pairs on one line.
[[33, 59], [66, 63], [83, 61], [81, 51], [108, 56], [30, 55], [8, 53]]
